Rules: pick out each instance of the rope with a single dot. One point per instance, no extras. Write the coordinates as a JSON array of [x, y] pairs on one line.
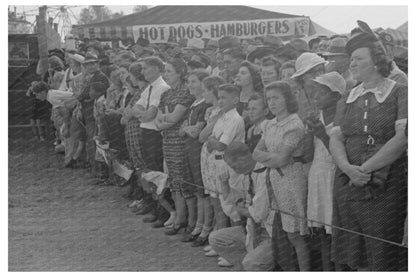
[[311, 220]]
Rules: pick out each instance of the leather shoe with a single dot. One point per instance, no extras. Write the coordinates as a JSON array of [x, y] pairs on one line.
[[224, 263], [145, 209], [175, 230], [188, 237], [158, 224], [152, 218], [211, 253], [200, 241]]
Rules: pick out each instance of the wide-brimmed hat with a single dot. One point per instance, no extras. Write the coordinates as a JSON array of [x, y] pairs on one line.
[[287, 51], [336, 47], [260, 52], [76, 57], [228, 42], [90, 58], [299, 44], [333, 80], [212, 45], [306, 62]]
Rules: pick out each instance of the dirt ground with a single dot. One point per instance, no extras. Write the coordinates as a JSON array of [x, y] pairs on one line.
[[58, 223]]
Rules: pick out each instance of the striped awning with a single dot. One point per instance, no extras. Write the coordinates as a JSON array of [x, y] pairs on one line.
[[103, 32]]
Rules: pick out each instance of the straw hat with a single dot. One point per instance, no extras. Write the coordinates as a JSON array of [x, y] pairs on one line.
[[306, 62], [76, 57], [195, 43], [336, 47], [90, 58], [333, 80]]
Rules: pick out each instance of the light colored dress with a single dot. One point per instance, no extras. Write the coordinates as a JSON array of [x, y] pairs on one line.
[[291, 189], [321, 185], [208, 168]]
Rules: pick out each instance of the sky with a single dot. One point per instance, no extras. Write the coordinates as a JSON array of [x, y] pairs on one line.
[[339, 19]]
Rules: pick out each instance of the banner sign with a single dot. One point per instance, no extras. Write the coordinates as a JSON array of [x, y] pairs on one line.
[[296, 26]]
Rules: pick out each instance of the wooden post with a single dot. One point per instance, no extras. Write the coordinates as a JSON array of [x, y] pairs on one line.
[[42, 42]]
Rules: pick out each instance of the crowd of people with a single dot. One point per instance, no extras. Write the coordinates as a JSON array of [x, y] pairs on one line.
[[271, 155]]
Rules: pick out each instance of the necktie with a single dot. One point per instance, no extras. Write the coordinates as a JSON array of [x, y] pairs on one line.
[[148, 97]]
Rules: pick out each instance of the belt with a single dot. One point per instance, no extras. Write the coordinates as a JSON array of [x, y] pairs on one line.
[[219, 157], [299, 159]]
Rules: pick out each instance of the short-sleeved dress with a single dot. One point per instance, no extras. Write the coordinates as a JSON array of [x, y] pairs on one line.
[[291, 189], [320, 185], [192, 145], [174, 144], [208, 168], [367, 119]]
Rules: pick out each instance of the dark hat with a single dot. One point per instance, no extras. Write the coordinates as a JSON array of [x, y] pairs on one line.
[[359, 40], [90, 58], [95, 45], [228, 42], [386, 38], [299, 44], [287, 51], [195, 64], [212, 45], [273, 41], [260, 52], [142, 42], [235, 53]]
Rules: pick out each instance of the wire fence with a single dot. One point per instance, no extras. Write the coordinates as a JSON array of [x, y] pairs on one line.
[[311, 220]]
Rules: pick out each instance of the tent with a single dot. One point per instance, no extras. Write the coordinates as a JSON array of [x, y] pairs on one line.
[[400, 38], [403, 27], [171, 23]]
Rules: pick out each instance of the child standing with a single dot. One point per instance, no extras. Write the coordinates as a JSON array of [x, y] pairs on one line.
[[210, 87], [41, 110], [228, 128], [191, 128]]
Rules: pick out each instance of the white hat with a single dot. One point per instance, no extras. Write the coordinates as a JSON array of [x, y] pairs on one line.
[[76, 57], [306, 62], [195, 43], [333, 80]]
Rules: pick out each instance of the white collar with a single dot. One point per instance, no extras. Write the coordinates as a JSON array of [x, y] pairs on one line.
[[229, 113], [158, 81], [197, 102], [381, 92]]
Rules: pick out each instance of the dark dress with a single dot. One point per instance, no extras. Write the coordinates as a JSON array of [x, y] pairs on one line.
[[193, 146], [174, 145], [133, 138], [376, 210]]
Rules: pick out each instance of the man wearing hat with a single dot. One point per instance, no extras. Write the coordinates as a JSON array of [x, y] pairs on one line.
[[339, 60], [193, 47], [211, 51], [260, 53], [286, 53], [228, 42], [93, 75], [233, 57], [388, 43]]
